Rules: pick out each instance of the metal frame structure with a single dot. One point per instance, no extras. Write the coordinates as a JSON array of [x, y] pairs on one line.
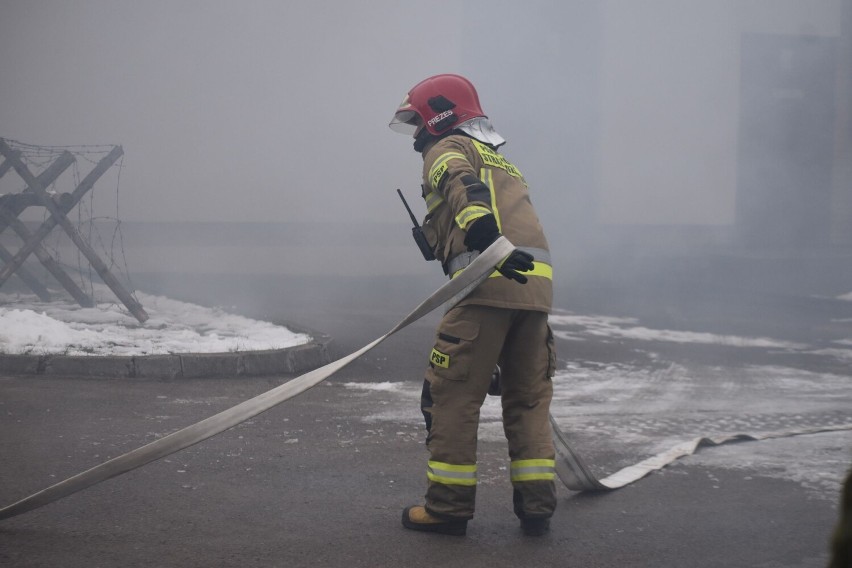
[[35, 194]]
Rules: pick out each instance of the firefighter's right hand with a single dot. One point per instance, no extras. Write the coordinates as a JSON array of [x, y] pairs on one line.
[[512, 266]]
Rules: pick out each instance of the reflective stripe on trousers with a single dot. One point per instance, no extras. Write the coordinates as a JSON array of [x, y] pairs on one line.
[[533, 470], [451, 474]]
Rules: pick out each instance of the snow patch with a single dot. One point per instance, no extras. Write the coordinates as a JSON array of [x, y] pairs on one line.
[[626, 328], [387, 386], [29, 326]]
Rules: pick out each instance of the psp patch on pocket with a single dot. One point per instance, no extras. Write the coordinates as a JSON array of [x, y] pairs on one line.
[[439, 359]]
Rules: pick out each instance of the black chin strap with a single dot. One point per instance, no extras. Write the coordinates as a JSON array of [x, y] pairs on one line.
[[423, 137]]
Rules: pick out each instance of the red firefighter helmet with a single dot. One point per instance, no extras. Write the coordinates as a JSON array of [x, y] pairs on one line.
[[439, 103]]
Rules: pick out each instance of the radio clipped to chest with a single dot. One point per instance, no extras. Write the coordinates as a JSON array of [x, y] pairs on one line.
[[417, 232]]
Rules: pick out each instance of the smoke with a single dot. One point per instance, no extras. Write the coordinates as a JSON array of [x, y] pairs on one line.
[[663, 141], [677, 145]]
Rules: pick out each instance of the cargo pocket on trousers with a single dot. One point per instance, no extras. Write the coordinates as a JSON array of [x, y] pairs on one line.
[[551, 353], [451, 355]]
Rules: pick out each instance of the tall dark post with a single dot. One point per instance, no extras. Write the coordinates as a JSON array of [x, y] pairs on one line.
[[841, 222]]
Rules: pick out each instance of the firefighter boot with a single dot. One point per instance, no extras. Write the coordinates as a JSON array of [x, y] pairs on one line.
[[535, 527], [418, 518]]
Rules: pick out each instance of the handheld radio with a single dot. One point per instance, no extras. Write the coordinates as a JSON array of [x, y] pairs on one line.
[[417, 232]]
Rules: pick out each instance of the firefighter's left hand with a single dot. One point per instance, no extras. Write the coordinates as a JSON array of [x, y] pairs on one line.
[[512, 266]]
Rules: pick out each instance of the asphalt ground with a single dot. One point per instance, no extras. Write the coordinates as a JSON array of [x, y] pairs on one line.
[[321, 479]]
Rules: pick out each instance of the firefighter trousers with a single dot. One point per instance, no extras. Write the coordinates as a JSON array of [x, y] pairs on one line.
[[471, 340]]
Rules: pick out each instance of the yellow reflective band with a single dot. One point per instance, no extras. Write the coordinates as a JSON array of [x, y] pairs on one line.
[[450, 474], [439, 168], [470, 214], [492, 158], [535, 462], [487, 177], [533, 470], [539, 269], [440, 359], [433, 200]]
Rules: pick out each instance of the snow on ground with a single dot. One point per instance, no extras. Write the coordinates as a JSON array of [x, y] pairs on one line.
[[816, 462], [29, 326], [591, 327], [604, 326]]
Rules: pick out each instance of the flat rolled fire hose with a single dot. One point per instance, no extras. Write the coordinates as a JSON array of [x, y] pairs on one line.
[[452, 291], [574, 474]]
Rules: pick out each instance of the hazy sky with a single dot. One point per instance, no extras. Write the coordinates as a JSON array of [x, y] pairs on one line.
[[237, 111], [621, 111]]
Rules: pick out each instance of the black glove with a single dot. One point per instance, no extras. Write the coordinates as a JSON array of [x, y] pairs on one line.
[[482, 233], [512, 266]]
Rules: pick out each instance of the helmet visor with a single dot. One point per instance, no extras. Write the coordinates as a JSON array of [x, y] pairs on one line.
[[405, 122]]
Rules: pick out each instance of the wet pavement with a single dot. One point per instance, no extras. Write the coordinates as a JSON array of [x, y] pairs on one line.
[[321, 479]]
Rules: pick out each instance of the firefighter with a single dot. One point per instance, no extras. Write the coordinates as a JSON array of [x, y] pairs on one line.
[[474, 195]]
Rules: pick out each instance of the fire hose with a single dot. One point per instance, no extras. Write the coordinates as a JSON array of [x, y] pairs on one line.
[[570, 468], [452, 291]]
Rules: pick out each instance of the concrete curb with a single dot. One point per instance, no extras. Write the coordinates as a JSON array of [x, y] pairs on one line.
[[297, 359]]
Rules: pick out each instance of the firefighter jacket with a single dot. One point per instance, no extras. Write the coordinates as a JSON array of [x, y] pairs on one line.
[[465, 179]]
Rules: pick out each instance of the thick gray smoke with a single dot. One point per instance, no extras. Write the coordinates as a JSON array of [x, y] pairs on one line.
[[684, 143]]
